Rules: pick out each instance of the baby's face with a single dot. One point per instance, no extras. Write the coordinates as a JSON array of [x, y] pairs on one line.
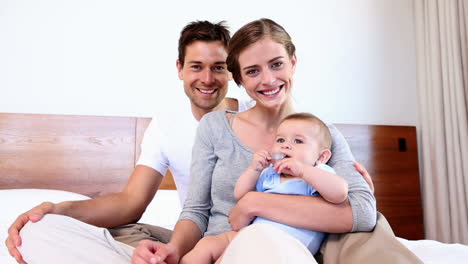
[[296, 139]]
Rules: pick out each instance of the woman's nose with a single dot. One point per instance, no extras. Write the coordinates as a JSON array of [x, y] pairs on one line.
[[267, 77]]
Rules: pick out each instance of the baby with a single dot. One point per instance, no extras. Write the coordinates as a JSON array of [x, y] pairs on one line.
[[296, 166]]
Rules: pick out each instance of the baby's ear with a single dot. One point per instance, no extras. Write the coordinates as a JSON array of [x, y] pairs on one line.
[[324, 156]]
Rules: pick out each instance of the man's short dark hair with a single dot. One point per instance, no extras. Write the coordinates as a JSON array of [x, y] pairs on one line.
[[204, 31]]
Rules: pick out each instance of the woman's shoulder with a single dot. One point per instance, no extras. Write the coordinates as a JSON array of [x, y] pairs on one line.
[[214, 116], [215, 121], [333, 130]]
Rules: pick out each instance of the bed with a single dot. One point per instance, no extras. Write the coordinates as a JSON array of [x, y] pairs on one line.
[[66, 157]]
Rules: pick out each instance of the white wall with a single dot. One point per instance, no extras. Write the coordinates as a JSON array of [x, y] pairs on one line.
[[356, 58]]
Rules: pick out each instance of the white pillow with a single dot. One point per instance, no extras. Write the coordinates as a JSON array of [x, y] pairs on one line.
[[164, 210], [14, 202]]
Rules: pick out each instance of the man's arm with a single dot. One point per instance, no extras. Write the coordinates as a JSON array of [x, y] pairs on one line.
[[110, 210], [119, 208]]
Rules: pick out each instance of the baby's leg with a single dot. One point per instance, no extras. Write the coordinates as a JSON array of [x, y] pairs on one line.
[[230, 236], [208, 249], [264, 243]]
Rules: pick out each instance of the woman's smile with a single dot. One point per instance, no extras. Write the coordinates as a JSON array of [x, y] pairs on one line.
[[272, 91]]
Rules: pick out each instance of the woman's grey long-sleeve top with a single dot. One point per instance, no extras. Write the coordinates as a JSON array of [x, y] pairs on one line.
[[219, 158]]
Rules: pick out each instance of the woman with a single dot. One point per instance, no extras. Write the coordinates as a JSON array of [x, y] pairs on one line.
[[262, 59]]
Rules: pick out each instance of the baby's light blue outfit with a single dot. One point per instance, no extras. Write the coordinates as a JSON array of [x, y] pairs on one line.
[[270, 182]]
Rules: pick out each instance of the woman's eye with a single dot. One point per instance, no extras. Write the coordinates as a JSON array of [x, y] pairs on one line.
[[280, 140], [277, 64], [252, 72], [298, 141]]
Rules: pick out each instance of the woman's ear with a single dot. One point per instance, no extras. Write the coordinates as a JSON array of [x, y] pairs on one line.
[[293, 62], [324, 156]]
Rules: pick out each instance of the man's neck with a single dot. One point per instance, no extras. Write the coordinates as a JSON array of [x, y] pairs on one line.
[[226, 104]]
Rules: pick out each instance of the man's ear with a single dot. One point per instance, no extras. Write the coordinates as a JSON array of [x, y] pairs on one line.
[[324, 156], [180, 67], [229, 76]]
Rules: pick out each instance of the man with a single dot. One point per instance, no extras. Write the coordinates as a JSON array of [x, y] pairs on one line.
[[201, 66]]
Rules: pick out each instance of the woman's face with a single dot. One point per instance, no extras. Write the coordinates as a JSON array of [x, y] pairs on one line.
[[267, 72]]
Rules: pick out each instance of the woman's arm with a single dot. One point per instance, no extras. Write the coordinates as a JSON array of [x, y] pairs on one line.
[[309, 212], [193, 220], [365, 174], [360, 196], [358, 213]]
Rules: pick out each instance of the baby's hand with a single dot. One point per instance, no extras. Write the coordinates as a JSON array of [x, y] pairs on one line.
[[260, 160], [290, 166]]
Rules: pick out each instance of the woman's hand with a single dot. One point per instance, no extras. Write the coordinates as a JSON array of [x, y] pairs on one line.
[[241, 214], [361, 169], [152, 252], [14, 240]]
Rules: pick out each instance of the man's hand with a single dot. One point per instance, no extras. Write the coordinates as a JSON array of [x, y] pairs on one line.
[[14, 240], [151, 252], [240, 216], [361, 169]]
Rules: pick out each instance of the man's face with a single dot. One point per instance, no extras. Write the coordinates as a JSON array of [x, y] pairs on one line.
[[205, 74]]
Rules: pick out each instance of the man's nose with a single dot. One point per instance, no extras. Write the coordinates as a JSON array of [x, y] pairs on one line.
[[207, 76]]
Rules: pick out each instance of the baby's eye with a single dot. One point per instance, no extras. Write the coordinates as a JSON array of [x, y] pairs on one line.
[[298, 141], [280, 140]]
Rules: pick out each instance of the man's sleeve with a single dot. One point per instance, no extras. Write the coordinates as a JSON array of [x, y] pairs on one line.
[[152, 148]]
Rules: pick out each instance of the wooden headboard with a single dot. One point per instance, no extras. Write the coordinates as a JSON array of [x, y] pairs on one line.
[[95, 155]]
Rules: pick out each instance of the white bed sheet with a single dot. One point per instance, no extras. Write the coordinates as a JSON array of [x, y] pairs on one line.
[[14, 202]]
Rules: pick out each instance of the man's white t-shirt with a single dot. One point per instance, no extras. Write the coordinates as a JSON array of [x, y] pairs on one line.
[[167, 144]]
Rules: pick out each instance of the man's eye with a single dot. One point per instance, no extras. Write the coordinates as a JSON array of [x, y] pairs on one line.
[[219, 68], [298, 141], [280, 140], [195, 67]]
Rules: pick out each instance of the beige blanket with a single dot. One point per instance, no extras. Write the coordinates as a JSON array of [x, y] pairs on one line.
[[379, 246]]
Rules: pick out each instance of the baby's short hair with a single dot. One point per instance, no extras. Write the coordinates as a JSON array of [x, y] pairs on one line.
[[323, 132]]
